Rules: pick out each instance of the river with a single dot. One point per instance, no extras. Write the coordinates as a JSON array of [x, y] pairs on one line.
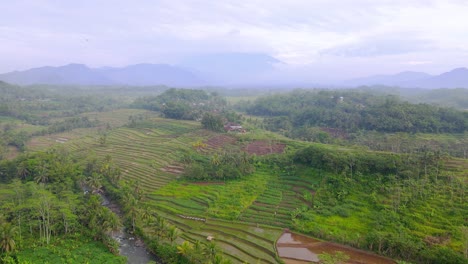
[[130, 246]]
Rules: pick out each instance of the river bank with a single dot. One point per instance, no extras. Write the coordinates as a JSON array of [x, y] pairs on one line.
[[130, 246]]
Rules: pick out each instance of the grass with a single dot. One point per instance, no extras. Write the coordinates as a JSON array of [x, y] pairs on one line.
[[77, 250]]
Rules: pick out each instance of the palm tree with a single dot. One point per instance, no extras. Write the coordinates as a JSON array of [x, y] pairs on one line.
[[110, 221], [218, 259], [185, 249], [210, 250], [215, 160], [115, 175], [131, 209], [94, 181], [7, 235], [42, 177], [22, 170], [172, 233], [146, 214]]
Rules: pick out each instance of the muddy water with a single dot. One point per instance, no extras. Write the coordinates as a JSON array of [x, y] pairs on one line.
[[298, 249]]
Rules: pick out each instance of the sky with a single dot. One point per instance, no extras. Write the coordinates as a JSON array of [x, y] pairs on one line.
[[315, 38]]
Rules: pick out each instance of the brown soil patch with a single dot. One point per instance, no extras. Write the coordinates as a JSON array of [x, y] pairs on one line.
[[174, 169], [220, 141], [263, 147], [295, 248]]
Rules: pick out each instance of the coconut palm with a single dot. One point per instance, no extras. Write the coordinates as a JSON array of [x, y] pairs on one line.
[[172, 233], [185, 249], [7, 237], [210, 250], [22, 170], [94, 181]]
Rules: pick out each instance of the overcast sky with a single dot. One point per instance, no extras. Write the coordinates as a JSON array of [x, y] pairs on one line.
[[350, 38]]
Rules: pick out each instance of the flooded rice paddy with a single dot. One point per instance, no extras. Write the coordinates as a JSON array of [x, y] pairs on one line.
[[299, 249]]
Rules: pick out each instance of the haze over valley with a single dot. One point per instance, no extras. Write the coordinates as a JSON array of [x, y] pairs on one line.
[[232, 132]]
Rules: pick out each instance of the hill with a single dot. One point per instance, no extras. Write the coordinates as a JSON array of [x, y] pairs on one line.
[[79, 74], [456, 78], [68, 74], [146, 74], [223, 68]]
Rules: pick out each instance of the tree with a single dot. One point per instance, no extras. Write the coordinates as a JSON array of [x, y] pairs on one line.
[[102, 138], [172, 233], [94, 181], [211, 249], [212, 122], [22, 170], [7, 237], [185, 249]]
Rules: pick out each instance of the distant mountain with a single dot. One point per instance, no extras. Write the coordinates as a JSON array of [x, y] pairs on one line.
[[398, 79], [79, 74], [151, 74], [207, 69], [457, 78], [64, 75], [229, 68]]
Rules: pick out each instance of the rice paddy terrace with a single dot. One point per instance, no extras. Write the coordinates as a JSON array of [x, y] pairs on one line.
[[148, 151], [245, 217]]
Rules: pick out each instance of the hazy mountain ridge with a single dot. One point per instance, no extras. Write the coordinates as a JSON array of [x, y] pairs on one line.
[[223, 68], [151, 74], [456, 78], [63, 75], [78, 74], [394, 80]]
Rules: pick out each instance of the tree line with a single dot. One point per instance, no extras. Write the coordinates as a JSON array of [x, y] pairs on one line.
[[353, 111], [188, 104]]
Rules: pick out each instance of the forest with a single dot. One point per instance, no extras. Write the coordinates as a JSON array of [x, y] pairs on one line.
[[364, 168]]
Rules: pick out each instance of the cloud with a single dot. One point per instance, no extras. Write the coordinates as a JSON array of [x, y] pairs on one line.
[[391, 44], [298, 32], [417, 62]]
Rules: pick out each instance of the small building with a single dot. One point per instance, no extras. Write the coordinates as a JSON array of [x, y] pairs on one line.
[[230, 126]]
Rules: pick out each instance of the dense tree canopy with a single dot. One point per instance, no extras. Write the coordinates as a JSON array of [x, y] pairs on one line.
[[182, 103], [354, 110]]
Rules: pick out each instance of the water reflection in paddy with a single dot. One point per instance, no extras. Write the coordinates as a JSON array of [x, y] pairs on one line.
[[299, 249]]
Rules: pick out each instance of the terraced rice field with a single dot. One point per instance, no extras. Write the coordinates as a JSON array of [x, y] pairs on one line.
[[255, 210], [261, 222], [142, 152]]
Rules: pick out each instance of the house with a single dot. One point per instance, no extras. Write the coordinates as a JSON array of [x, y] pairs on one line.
[[230, 126]]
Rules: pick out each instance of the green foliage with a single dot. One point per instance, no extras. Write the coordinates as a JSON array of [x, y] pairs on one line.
[[220, 166], [72, 250], [212, 122], [337, 258], [67, 125], [404, 216], [354, 110], [186, 104], [8, 232]]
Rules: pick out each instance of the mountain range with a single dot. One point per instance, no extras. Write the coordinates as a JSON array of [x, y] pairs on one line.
[[456, 78], [211, 69], [224, 69], [79, 74]]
